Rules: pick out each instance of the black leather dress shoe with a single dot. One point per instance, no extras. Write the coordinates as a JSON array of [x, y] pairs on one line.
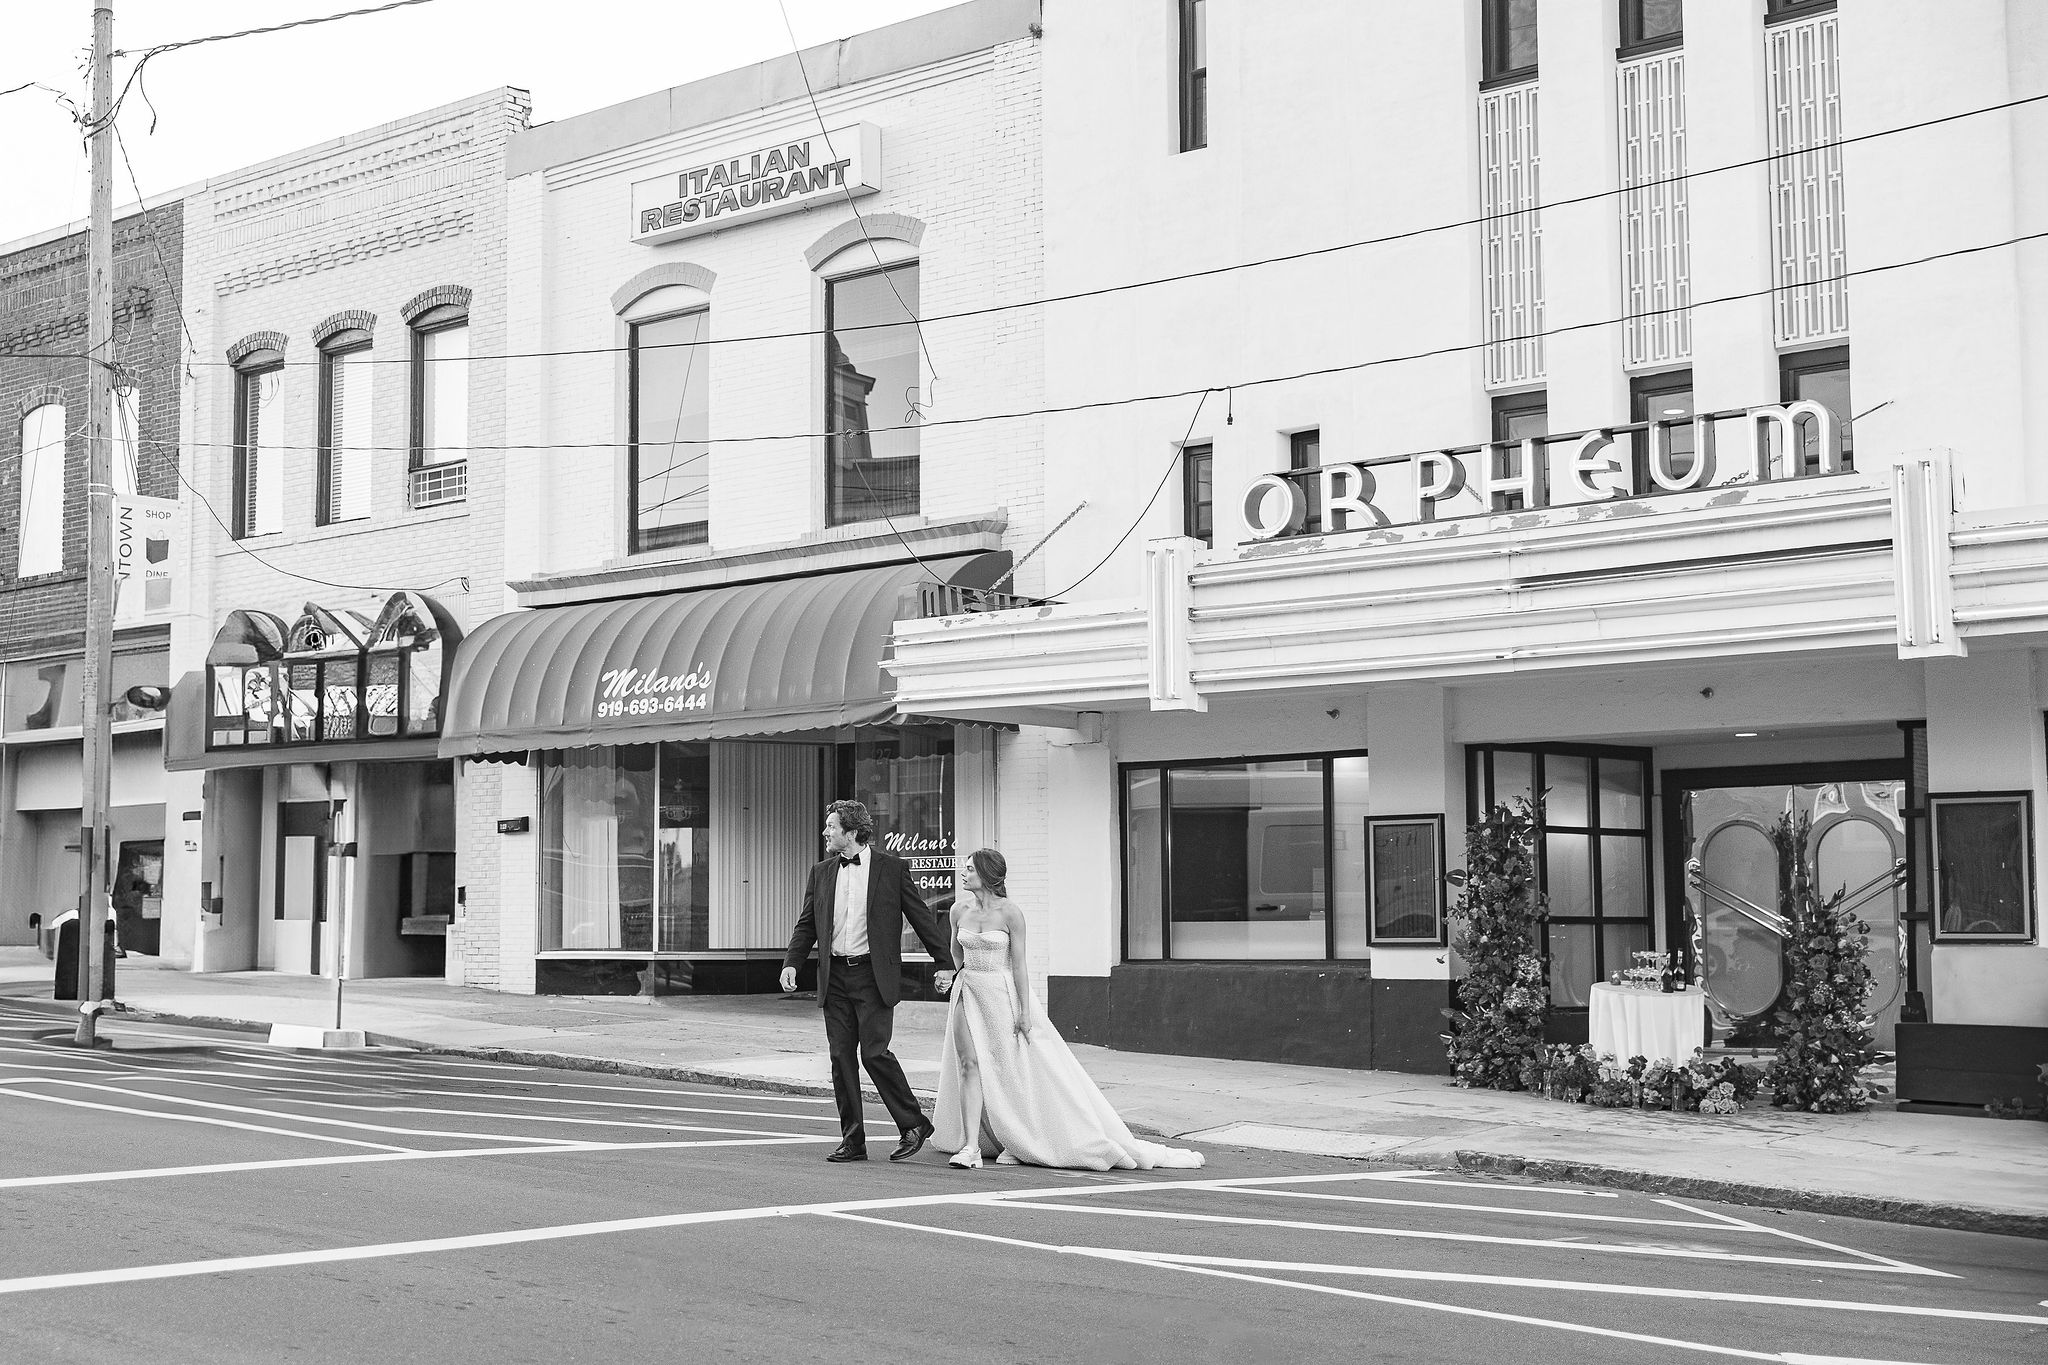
[[846, 1151], [913, 1141]]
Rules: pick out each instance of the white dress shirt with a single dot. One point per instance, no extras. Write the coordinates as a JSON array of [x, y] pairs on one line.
[[850, 906]]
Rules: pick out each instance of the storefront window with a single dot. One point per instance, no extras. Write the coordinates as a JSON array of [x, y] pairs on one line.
[[597, 835], [1593, 851], [904, 776], [1237, 860], [48, 694], [683, 848]]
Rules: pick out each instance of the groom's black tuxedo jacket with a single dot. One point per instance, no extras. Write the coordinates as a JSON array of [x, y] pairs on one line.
[[892, 898]]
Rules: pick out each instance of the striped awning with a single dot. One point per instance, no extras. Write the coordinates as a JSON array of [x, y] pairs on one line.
[[751, 659]]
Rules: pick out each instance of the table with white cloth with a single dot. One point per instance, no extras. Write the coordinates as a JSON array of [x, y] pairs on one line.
[[1629, 1023]]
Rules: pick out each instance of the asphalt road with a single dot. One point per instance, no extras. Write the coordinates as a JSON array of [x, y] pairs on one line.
[[192, 1197]]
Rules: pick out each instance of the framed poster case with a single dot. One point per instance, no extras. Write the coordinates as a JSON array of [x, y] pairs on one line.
[[1404, 878]]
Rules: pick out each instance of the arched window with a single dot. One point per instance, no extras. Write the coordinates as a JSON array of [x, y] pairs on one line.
[[439, 319], [874, 382], [259, 454], [668, 388], [41, 548], [345, 440]]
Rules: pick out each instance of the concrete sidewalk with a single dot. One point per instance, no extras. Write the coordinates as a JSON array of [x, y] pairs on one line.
[[1976, 1173]]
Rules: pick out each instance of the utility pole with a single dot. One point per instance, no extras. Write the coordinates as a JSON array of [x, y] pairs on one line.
[[97, 714]]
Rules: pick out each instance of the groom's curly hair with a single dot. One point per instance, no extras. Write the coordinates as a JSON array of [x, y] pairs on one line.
[[854, 819]]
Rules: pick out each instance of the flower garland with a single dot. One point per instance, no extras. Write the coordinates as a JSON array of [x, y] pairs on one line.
[[1578, 1075], [1504, 996], [1826, 1037]]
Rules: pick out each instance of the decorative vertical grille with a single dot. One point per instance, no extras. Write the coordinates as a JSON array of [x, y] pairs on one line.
[[1512, 245], [1808, 216], [1656, 238]]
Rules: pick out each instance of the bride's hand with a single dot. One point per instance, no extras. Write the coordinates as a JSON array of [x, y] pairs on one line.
[[1024, 1027]]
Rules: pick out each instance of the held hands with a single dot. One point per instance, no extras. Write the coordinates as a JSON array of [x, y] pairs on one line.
[[788, 979], [942, 982]]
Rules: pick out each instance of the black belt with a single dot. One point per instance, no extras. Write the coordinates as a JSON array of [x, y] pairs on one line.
[[851, 959]]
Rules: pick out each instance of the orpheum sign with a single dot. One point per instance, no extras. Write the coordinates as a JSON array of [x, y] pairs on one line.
[[1638, 459], [758, 183]]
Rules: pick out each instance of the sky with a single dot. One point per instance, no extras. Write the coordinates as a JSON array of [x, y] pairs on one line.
[[224, 105]]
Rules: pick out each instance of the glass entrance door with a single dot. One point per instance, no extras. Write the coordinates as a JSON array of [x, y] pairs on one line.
[[1736, 885]]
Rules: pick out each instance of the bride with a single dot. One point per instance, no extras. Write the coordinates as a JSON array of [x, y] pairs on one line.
[[1007, 1082]]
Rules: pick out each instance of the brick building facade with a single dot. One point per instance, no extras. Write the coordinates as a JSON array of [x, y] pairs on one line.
[[346, 452], [43, 466]]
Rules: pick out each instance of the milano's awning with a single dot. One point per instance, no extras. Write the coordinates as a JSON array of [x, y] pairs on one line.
[[722, 663]]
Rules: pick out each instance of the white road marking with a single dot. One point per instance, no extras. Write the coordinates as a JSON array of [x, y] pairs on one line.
[[1810, 1241], [1595, 1287], [272, 1113], [1553, 1243], [288, 1098], [1794, 1358], [1453, 1205], [1141, 1259], [411, 1073], [201, 1118], [365, 1158], [476, 1241]]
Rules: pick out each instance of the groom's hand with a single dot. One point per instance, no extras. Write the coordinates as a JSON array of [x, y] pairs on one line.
[[788, 979], [942, 982]]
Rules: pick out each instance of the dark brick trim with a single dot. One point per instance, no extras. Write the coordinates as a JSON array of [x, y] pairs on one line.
[[894, 227], [349, 319], [37, 396], [256, 341], [661, 277], [441, 295]]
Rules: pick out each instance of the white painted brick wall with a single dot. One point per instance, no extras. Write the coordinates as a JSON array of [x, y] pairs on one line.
[[365, 222]]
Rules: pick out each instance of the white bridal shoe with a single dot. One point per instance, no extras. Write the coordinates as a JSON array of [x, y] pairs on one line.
[[967, 1159]]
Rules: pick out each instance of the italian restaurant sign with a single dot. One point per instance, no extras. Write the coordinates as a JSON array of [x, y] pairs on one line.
[[1639, 459], [758, 183]]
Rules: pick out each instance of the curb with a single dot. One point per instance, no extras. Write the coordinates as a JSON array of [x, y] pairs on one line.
[[1877, 1208], [65, 1009]]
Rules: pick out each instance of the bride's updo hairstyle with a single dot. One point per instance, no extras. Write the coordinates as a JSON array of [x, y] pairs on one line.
[[993, 869]]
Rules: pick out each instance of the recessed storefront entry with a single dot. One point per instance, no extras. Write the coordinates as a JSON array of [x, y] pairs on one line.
[[1728, 882]]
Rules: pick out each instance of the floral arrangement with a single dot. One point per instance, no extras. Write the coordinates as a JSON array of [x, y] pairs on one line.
[[1698, 1085], [1504, 996], [1826, 1036], [2018, 1106]]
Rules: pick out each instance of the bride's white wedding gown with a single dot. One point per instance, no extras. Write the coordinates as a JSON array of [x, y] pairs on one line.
[[1038, 1105]]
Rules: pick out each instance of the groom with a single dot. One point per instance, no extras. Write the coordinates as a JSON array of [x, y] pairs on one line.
[[855, 904]]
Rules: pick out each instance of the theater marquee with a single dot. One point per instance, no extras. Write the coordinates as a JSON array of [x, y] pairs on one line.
[[1628, 460], [798, 173]]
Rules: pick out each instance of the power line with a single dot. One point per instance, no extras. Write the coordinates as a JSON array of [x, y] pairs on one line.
[[1178, 452], [1407, 234], [1456, 348], [147, 54], [161, 48], [854, 462]]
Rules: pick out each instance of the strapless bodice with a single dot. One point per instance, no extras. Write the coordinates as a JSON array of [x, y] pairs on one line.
[[985, 950]]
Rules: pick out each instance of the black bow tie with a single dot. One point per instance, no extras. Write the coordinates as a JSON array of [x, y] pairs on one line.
[[845, 861]]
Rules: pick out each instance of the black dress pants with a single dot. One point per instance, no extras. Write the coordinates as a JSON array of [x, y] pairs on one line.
[[857, 1031]]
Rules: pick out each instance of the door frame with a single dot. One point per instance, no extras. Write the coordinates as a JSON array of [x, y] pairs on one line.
[[290, 815], [1674, 783]]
